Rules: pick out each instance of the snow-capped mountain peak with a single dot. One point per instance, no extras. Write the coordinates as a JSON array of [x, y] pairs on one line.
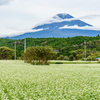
[[63, 16], [61, 20], [61, 25]]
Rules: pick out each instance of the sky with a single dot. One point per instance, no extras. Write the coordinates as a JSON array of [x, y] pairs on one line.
[[20, 16]]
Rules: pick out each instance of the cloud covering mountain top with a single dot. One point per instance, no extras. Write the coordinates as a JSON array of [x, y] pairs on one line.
[[61, 25], [21, 15]]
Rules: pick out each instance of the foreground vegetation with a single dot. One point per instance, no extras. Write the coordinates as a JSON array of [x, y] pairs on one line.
[[23, 81], [6, 53], [39, 55]]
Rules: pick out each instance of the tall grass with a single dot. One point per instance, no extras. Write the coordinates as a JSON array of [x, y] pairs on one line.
[[23, 81]]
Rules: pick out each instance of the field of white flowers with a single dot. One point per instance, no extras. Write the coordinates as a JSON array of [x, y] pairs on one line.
[[23, 81]]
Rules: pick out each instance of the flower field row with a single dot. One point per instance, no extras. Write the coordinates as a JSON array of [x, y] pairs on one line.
[[23, 81]]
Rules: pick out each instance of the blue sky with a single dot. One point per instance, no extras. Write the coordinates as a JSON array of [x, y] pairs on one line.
[[19, 16]]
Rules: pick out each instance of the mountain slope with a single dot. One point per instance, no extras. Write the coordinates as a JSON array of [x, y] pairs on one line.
[[61, 25], [60, 20]]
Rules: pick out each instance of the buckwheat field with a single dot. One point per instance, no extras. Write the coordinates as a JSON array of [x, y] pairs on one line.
[[23, 81]]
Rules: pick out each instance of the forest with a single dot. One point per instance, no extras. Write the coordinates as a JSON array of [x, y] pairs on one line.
[[65, 47]]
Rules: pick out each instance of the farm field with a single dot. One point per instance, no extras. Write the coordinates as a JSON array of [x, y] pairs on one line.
[[23, 81]]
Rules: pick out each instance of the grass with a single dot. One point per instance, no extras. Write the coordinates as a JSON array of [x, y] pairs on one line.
[[73, 62], [23, 81]]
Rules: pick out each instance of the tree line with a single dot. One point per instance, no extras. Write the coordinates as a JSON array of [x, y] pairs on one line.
[[71, 46]]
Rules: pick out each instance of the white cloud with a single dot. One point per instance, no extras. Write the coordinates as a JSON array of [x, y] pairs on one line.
[[3, 2], [93, 19], [19, 15], [14, 33], [52, 20], [77, 27]]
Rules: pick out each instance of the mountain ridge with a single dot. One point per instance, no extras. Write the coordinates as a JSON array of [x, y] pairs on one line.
[[52, 28]]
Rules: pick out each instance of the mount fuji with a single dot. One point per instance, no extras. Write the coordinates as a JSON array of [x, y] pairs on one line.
[[61, 25]]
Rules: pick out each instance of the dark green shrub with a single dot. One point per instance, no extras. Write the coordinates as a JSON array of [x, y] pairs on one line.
[[89, 58], [58, 63], [39, 63], [65, 58], [71, 57], [58, 58], [47, 63], [61, 57], [83, 59]]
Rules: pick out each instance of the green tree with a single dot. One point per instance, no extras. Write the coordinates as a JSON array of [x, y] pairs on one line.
[[39, 54], [45, 53], [6, 53], [30, 55]]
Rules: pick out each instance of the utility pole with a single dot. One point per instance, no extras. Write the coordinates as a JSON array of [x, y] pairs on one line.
[[24, 50], [15, 50], [85, 49]]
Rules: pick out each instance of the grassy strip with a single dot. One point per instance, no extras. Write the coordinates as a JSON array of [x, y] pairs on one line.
[[74, 62]]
